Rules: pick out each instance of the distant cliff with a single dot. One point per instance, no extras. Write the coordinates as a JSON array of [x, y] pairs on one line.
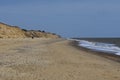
[[8, 31]]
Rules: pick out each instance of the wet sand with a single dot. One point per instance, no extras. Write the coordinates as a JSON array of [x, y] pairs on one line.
[[52, 59], [109, 56]]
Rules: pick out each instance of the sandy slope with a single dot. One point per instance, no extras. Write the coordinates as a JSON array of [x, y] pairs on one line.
[[47, 59]]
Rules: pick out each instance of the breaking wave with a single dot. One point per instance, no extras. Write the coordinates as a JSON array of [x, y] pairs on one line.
[[100, 47]]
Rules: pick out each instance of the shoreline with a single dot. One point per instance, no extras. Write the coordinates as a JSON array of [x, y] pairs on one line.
[[52, 59], [109, 56]]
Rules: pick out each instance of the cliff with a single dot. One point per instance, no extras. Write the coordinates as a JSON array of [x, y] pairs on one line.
[[8, 31]]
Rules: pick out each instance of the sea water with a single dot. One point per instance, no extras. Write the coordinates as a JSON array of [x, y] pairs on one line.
[[99, 46]]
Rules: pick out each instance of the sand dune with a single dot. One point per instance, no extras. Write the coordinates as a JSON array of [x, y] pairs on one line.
[[52, 59]]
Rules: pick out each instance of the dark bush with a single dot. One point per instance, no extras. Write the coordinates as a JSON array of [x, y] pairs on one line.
[[24, 29]]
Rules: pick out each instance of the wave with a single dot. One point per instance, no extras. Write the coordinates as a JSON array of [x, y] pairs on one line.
[[100, 47]]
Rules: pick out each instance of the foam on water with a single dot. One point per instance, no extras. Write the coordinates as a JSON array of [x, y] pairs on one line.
[[101, 47]]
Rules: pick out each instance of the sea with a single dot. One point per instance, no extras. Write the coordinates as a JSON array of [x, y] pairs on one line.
[[106, 45]]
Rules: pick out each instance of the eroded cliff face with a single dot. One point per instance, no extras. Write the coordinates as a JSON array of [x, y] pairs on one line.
[[7, 31]]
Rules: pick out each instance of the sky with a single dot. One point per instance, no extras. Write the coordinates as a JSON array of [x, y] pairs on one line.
[[68, 18]]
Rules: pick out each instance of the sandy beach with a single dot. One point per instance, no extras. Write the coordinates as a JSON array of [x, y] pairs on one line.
[[52, 59]]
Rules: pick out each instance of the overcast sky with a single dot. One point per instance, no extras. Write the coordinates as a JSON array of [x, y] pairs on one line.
[[69, 18]]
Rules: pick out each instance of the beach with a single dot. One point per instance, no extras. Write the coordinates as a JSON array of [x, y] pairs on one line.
[[52, 59]]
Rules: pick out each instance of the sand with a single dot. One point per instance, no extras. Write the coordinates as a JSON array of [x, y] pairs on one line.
[[52, 59]]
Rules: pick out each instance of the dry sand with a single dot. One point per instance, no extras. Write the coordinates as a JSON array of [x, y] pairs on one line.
[[52, 59]]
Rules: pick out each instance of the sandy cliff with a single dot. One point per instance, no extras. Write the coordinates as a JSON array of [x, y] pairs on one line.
[[7, 31]]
